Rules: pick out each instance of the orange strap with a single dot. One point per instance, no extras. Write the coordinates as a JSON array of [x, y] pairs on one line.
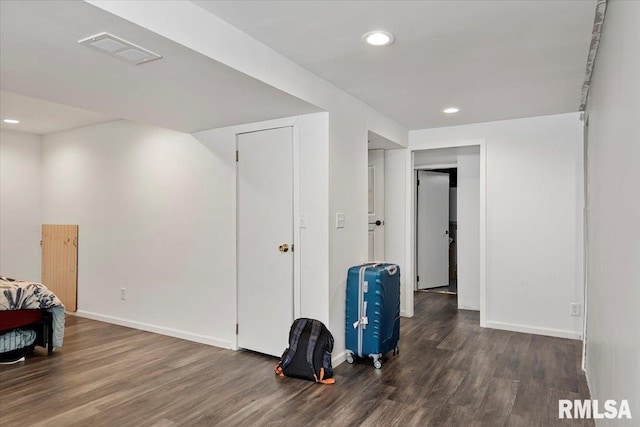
[[322, 380], [278, 371]]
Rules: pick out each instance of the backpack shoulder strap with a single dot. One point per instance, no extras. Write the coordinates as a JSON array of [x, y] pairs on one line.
[[326, 360], [326, 372], [316, 328], [294, 338]]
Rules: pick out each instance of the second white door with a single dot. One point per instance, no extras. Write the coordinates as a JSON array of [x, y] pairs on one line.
[[265, 240], [433, 230]]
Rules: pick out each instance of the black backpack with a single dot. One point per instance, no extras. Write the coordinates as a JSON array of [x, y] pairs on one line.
[[309, 353]]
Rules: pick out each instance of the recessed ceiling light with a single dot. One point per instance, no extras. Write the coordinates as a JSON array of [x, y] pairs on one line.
[[451, 110], [11, 121], [378, 38]]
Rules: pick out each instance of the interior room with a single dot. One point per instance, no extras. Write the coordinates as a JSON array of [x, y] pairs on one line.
[[180, 181]]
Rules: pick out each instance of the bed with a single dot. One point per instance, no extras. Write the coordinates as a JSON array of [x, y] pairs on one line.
[[30, 315]]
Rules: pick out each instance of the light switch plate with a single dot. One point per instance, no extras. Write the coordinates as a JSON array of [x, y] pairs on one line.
[[303, 220], [340, 220]]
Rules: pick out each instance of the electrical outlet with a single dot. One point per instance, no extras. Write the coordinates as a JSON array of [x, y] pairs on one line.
[[574, 309], [340, 219], [303, 220], [123, 294]]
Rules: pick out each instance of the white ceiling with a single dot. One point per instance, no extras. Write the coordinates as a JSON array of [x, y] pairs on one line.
[[492, 59], [43, 117], [40, 58]]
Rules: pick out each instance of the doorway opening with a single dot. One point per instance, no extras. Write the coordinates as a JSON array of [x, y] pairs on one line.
[[379, 200], [428, 228], [469, 161]]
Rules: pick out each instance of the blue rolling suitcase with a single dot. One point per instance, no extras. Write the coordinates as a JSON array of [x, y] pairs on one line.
[[373, 311]]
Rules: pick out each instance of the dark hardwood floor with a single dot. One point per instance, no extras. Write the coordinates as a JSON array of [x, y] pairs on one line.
[[450, 372]]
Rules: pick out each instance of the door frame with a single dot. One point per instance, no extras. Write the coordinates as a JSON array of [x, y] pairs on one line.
[[383, 203], [291, 122], [417, 169], [410, 238]]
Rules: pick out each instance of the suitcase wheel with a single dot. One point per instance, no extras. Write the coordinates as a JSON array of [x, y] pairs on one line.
[[350, 359], [377, 364], [396, 351]]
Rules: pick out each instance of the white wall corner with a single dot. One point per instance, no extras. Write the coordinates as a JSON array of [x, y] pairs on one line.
[[339, 358]]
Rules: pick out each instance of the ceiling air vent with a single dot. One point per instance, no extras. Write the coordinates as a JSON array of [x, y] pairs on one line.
[[115, 46]]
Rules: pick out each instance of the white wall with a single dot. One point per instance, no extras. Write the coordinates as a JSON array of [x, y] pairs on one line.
[[314, 201], [613, 273], [156, 215], [20, 205], [149, 205], [534, 222], [348, 194], [395, 196], [468, 232]]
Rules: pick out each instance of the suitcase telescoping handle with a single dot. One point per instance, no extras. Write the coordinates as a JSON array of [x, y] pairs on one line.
[[391, 269]]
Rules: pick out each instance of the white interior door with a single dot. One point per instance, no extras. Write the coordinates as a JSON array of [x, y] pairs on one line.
[[433, 230], [265, 226], [376, 205]]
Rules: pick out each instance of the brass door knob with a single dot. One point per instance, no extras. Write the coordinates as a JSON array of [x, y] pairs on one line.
[[283, 247]]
